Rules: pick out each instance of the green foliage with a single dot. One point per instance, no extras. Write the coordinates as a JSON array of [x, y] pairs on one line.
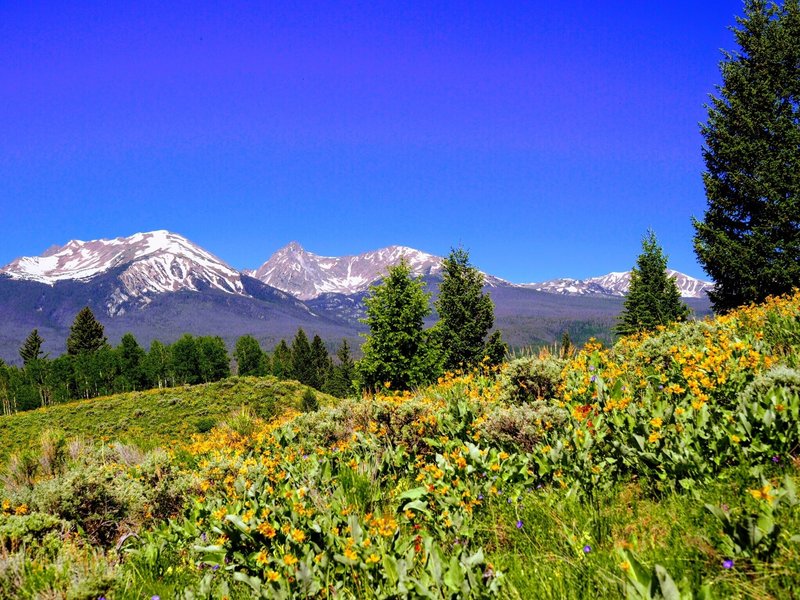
[[249, 356], [749, 238], [282, 361], [397, 350], [521, 426], [344, 373], [185, 360], [213, 359], [653, 297], [530, 378], [466, 314], [32, 347], [310, 402], [151, 417], [86, 334], [496, 349], [131, 358], [321, 362], [302, 365]]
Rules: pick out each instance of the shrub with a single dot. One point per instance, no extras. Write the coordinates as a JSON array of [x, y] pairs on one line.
[[521, 427], [310, 402], [530, 378]]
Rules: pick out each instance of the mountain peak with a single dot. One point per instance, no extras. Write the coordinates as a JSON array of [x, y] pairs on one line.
[[149, 262], [306, 275], [617, 283]]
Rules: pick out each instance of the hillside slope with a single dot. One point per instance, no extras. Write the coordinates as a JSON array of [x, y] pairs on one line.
[[153, 417]]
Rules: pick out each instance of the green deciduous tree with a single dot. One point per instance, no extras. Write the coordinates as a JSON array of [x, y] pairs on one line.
[[749, 238], [213, 360], [185, 360], [32, 347], [249, 356], [86, 333], [466, 314], [397, 350], [653, 297], [131, 358]]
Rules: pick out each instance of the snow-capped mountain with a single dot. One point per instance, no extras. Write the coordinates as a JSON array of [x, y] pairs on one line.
[[149, 263], [617, 284], [306, 275]]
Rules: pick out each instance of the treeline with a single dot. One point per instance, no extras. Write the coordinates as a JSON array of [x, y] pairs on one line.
[[91, 367]]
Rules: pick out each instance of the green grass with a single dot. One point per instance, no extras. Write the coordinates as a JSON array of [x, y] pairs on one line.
[[154, 417], [568, 548]]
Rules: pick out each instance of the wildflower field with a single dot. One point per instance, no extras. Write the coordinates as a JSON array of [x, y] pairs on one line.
[[662, 467]]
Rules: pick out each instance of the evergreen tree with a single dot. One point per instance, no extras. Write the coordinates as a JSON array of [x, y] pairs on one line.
[[496, 349], [86, 333], [344, 373], [653, 297], [397, 350], [32, 347], [749, 238], [131, 357], [567, 347], [249, 356], [282, 361], [321, 361], [302, 368], [466, 314]]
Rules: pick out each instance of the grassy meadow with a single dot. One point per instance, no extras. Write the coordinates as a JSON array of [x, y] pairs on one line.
[[665, 466]]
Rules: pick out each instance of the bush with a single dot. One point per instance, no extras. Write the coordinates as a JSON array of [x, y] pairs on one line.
[[310, 402], [521, 427], [529, 378]]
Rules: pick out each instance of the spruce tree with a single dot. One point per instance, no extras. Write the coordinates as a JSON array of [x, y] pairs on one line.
[[653, 297], [185, 360], [32, 347], [466, 314], [302, 368], [344, 372], [397, 350], [496, 349], [86, 334], [321, 361], [282, 361], [249, 356], [749, 238]]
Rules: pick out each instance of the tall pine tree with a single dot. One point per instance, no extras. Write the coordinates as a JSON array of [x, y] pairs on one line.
[[32, 347], [398, 350], [302, 363], [86, 334], [749, 238], [653, 297], [466, 314]]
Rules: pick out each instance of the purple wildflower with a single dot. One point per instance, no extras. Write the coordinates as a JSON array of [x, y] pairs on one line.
[[592, 378], [727, 563], [519, 524], [587, 548], [776, 459]]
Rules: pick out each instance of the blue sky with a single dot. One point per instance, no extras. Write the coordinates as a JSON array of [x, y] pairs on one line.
[[544, 137]]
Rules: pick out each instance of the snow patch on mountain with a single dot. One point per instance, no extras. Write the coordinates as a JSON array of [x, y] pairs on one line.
[[306, 275], [152, 263], [617, 284]]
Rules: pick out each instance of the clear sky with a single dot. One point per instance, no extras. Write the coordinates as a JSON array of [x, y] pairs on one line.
[[545, 137]]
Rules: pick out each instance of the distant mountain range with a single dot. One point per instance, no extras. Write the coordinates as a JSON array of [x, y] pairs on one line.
[[160, 285], [617, 284]]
